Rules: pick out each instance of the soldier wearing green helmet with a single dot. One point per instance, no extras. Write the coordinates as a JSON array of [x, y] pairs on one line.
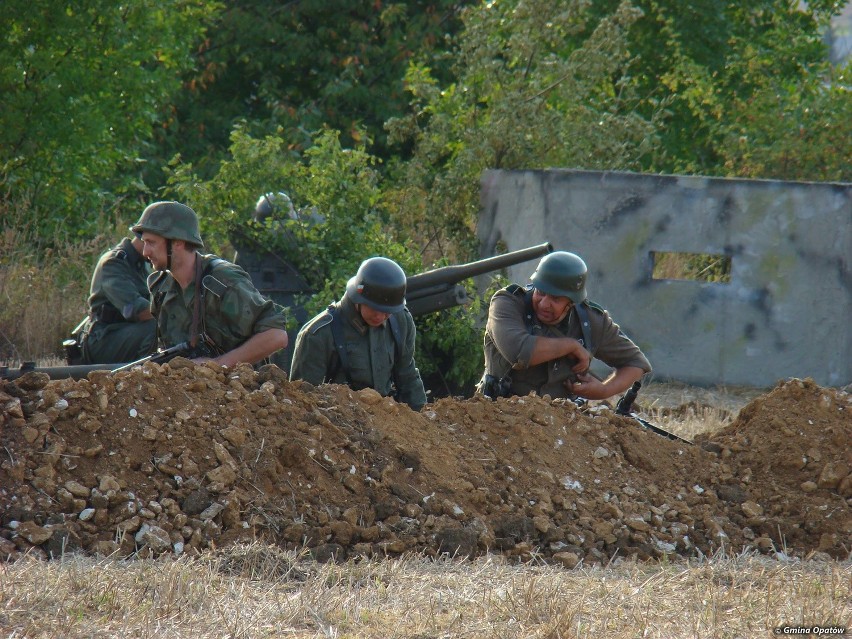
[[366, 339], [541, 338], [203, 299]]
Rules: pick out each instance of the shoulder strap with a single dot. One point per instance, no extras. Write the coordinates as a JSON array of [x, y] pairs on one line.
[[393, 322], [529, 313], [202, 270], [339, 345], [397, 336], [585, 326], [196, 305]]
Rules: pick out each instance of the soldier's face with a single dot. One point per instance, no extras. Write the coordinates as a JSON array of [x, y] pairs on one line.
[[154, 250], [550, 309], [371, 316]]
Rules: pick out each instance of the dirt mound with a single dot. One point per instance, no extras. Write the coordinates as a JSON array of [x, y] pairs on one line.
[[178, 458]]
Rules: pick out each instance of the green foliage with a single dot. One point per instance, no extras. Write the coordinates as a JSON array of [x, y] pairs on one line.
[[303, 66], [82, 86], [742, 84], [327, 180], [537, 85]]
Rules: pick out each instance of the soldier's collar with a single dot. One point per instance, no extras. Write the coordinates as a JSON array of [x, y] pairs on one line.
[[353, 317]]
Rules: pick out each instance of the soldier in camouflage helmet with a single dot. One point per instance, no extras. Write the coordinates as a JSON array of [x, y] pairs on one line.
[[201, 298], [541, 338], [365, 340], [120, 327]]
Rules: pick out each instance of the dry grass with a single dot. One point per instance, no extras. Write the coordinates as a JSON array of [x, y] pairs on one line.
[[259, 591], [43, 294], [689, 411], [44, 282]]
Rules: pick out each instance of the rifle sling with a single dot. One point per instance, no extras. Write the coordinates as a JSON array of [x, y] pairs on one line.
[[196, 302]]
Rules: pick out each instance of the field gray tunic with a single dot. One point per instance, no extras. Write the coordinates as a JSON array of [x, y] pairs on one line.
[[375, 361], [510, 338]]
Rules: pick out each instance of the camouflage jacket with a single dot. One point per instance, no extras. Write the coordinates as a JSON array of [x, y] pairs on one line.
[[119, 284], [232, 309]]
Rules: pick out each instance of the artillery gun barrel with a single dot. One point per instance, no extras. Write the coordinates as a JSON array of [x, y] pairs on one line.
[[453, 274]]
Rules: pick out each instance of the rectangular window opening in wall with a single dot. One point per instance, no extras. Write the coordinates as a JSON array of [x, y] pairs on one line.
[[696, 267]]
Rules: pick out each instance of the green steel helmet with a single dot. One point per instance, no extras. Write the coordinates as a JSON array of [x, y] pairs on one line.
[[171, 220], [563, 274], [274, 205], [380, 284]]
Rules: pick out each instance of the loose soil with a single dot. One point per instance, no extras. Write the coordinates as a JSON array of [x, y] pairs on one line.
[[181, 457]]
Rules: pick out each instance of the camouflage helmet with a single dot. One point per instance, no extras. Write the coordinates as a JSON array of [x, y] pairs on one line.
[[563, 274], [171, 220], [275, 205], [380, 284]]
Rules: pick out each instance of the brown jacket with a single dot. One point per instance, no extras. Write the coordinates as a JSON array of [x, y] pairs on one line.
[[510, 335]]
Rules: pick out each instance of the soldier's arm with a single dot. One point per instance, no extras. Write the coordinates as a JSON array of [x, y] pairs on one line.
[[255, 348], [522, 349], [407, 376], [118, 285], [312, 354]]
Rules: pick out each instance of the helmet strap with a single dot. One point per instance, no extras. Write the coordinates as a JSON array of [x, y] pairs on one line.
[[168, 254]]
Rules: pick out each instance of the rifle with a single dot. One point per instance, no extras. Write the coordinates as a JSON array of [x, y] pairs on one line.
[[162, 356], [439, 288], [82, 371], [625, 404]]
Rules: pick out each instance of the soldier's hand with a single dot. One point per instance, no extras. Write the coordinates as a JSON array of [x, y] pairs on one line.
[[584, 359], [588, 387]]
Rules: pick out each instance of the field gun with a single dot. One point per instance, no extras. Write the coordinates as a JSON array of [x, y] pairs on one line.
[[439, 288]]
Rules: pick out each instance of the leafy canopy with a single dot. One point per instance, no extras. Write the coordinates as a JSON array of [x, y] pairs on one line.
[[82, 87]]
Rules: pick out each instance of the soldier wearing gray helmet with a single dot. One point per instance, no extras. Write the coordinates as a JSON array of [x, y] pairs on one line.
[[541, 338], [200, 298], [366, 339]]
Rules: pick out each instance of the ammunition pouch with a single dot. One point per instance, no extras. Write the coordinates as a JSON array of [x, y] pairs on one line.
[[494, 387], [108, 314]]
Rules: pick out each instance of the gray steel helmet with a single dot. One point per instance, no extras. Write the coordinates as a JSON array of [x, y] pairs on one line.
[[275, 205], [563, 274], [171, 220], [380, 284]]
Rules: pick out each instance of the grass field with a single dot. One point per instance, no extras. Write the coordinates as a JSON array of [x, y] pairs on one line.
[[260, 591]]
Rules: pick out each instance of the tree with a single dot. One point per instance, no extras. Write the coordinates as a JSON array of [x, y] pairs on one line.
[[538, 84], [743, 86], [302, 66], [82, 87]]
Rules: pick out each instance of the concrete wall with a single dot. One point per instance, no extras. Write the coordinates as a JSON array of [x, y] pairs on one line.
[[787, 310]]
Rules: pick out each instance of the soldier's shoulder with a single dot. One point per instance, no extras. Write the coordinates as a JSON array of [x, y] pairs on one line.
[[511, 292], [215, 264], [317, 323], [226, 273], [595, 306]]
